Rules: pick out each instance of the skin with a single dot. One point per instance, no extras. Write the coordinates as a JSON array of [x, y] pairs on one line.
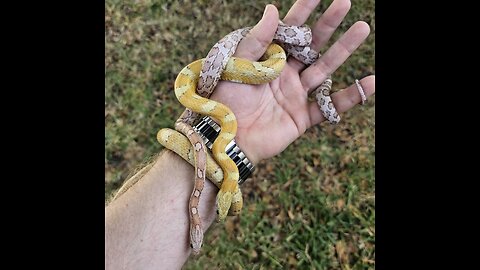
[[147, 227]]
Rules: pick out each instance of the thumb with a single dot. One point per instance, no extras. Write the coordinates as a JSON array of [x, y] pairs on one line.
[[254, 45]]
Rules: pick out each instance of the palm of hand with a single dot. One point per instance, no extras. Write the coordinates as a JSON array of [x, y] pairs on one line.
[[270, 116]]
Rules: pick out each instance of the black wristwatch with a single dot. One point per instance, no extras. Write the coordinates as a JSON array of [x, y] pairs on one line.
[[209, 130]]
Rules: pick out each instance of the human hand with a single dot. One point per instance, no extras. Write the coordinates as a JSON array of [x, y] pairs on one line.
[[273, 115]]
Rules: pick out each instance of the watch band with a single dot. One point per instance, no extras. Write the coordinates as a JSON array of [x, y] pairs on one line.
[[208, 131]]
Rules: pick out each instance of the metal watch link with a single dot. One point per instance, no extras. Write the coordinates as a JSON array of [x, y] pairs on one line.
[[209, 130]]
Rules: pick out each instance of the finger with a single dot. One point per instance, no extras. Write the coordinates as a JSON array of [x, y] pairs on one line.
[[328, 23], [254, 45], [299, 12], [316, 73], [298, 15], [324, 28], [343, 100]]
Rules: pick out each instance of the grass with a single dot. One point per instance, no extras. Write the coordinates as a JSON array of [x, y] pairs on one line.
[[311, 207]]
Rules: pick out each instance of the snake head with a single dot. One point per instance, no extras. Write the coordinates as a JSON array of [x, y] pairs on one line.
[[224, 199], [196, 239], [237, 203]]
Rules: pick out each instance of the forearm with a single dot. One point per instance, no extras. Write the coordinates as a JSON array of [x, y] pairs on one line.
[[147, 227]]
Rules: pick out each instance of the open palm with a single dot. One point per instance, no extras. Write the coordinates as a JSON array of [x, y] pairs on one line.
[[271, 116]]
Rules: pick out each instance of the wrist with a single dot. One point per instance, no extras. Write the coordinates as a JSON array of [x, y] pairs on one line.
[[183, 187], [209, 130]]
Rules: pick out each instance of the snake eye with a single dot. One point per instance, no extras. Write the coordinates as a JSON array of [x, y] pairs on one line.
[[191, 245], [218, 212]]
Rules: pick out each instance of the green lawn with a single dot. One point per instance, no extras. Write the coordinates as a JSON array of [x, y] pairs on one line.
[[313, 206]]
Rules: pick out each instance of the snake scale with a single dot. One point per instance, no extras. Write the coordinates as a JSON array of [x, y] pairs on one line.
[[194, 85]]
